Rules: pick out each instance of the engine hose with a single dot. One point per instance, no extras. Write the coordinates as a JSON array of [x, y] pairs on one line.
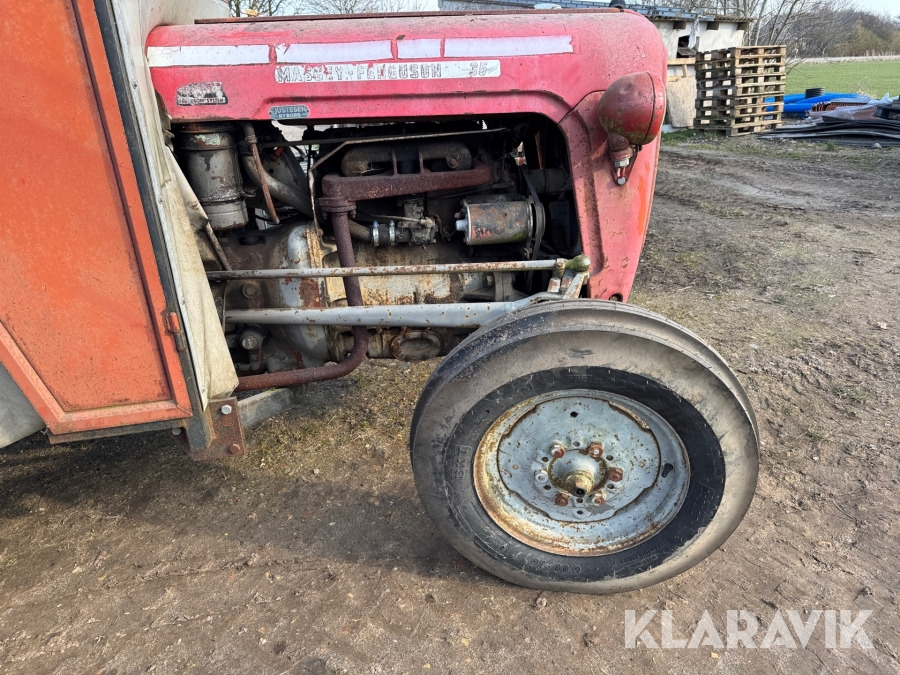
[[291, 378], [360, 232], [280, 191]]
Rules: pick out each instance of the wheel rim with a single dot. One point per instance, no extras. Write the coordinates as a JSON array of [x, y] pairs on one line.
[[581, 472]]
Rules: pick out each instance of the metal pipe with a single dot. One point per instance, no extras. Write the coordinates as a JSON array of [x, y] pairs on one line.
[[250, 137], [450, 315], [388, 270], [281, 191], [216, 246], [343, 142], [291, 378], [360, 232], [359, 188]]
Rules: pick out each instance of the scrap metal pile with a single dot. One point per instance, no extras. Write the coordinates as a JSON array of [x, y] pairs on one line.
[[875, 124]]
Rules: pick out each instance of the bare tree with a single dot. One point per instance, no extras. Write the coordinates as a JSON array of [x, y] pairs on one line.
[[364, 6], [338, 6], [260, 7], [790, 22]]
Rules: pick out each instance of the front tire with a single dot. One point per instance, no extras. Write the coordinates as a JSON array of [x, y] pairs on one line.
[[584, 446]]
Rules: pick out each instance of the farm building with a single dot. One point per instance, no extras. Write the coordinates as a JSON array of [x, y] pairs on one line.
[[684, 33]]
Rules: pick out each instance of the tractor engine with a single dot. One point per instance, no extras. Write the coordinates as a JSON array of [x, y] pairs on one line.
[[392, 183], [412, 195]]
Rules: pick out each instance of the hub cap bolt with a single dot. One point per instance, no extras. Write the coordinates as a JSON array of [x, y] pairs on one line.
[[541, 476], [599, 499], [579, 482], [557, 450], [615, 475], [595, 450], [561, 499]]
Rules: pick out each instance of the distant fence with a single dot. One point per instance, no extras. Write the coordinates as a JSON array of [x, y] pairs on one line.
[[834, 59]]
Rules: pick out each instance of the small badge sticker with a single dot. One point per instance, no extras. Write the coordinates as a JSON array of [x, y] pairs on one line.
[[201, 93], [289, 112]]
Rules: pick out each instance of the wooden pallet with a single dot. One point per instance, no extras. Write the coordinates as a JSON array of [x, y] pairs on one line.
[[735, 91], [729, 120], [737, 121], [739, 61], [733, 102], [740, 71], [740, 90], [678, 69], [741, 52], [738, 80], [735, 125], [741, 130], [762, 107]]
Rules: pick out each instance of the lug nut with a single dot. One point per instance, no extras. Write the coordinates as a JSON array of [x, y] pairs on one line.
[[557, 450], [541, 476], [561, 499], [599, 499], [595, 450], [615, 475], [226, 409], [579, 482]]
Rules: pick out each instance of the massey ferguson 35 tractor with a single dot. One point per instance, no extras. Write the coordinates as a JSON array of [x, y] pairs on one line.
[[194, 208]]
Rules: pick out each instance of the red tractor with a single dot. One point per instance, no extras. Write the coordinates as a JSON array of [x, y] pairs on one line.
[[197, 208]]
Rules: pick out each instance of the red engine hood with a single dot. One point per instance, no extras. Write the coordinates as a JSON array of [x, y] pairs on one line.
[[398, 67]]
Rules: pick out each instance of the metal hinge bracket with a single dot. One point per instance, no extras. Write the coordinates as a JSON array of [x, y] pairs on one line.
[[173, 328]]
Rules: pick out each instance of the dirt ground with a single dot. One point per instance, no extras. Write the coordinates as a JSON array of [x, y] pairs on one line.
[[313, 554]]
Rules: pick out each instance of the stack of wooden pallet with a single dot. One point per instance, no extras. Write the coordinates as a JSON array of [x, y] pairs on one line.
[[740, 90]]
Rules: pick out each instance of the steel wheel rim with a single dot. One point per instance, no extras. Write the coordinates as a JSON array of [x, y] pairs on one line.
[[520, 482]]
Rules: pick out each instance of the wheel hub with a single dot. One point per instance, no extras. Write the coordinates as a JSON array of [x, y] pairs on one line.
[[581, 472], [576, 473]]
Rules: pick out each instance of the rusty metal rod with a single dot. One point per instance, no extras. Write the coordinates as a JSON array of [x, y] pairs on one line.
[[447, 315], [250, 136], [216, 246], [388, 270], [355, 140], [291, 378]]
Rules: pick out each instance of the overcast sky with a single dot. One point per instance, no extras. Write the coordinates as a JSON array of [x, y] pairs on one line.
[[879, 6]]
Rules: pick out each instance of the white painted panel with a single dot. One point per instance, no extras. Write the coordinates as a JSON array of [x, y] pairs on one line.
[[532, 45], [419, 49], [336, 52], [219, 55]]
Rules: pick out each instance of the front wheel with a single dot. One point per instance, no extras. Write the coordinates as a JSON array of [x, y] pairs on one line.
[[584, 446]]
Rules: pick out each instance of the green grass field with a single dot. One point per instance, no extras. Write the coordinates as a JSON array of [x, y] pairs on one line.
[[874, 78]]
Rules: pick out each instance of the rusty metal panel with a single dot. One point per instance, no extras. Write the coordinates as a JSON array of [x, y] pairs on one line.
[[228, 431], [83, 309]]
